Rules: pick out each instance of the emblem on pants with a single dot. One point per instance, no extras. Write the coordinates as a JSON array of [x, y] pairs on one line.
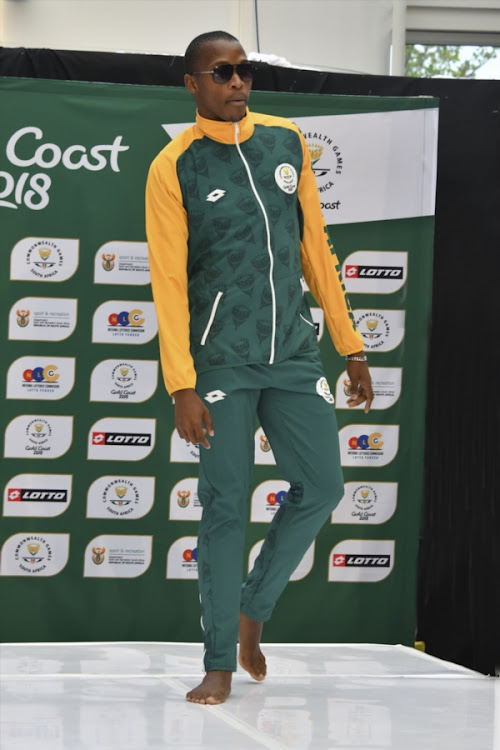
[[323, 389]]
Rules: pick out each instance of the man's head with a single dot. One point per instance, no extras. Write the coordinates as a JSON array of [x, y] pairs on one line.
[[226, 100]]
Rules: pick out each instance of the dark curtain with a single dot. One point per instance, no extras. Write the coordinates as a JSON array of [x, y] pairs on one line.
[[458, 590]]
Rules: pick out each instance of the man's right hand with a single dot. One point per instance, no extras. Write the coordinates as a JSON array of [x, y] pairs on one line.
[[192, 418]]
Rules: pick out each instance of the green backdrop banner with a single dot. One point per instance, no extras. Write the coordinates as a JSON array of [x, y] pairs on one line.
[[100, 507]]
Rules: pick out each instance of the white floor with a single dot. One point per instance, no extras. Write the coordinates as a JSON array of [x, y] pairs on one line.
[[323, 697]]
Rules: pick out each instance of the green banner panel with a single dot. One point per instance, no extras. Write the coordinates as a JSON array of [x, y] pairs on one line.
[[99, 508]]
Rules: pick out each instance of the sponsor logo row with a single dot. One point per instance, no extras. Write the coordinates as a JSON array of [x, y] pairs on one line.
[[57, 259], [136, 381], [124, 497], [127, 263], [54, 319], [117, 439], [135, 322], [53, 378], [129, 556]]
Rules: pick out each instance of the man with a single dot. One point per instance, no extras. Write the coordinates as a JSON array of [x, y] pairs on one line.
[[233, 222]]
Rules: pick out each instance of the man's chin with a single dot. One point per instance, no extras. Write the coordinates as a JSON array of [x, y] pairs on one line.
[[236, 111]]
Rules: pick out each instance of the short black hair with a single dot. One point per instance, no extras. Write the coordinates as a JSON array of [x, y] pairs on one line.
[[194, 48]]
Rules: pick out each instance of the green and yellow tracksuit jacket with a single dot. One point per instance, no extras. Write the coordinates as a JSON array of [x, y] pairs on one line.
[[233, 222]]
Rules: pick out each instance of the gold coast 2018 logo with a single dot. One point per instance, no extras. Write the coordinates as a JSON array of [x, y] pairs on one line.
[[39, 433], [30, 187]]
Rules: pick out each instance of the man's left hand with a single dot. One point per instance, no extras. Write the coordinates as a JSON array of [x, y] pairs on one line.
[[361, 384]]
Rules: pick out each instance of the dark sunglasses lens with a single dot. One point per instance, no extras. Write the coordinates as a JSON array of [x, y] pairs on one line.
[[245, 71], [224, 73]]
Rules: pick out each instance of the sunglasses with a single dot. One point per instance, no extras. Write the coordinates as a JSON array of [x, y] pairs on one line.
[[223, 73]]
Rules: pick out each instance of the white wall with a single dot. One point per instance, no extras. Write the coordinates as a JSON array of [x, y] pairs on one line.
[[331, 34], [162, 26], [352, 35]]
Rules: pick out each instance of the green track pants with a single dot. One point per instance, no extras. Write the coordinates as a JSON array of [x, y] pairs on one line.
[[296, 412]]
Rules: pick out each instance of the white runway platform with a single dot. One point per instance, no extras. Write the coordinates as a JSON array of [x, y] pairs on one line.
[[323, 697]]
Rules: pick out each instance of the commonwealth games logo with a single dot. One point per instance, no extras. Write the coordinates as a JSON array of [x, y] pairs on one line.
[[33, 549], [364, 498], [38, 432], [33, 553], [120, 499], [44, 253], [374, 326], [124, 376], [44, 259], [326, 158], [316, 152]]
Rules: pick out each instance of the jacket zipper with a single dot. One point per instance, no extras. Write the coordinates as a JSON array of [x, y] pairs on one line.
[[211, 318], [268, 234]]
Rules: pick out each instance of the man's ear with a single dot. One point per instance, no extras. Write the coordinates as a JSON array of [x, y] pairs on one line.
[[190, 83]]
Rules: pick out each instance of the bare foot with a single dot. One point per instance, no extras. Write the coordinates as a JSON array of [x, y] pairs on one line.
[[214, 688], [250, 656]]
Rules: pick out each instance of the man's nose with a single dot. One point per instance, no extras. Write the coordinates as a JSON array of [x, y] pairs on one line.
[[236, 80]]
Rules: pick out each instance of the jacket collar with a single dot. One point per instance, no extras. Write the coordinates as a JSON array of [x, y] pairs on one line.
[[224, 131]]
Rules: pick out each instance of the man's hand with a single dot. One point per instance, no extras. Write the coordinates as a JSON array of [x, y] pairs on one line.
[[361, 383], [190, 416]]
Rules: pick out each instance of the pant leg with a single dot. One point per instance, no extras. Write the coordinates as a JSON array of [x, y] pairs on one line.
[[301, 426], [223, 489]]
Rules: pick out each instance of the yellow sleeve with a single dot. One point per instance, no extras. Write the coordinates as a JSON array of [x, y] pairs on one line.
[[321, 267], [167, 233]]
